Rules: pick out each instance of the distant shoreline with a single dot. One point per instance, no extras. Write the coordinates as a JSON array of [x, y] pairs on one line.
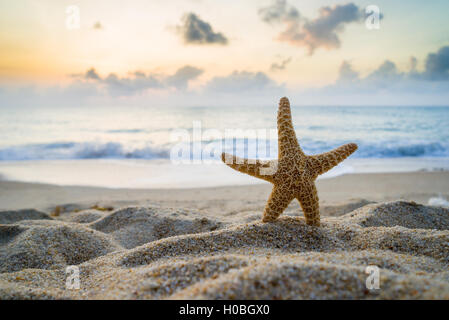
[[163, 174]]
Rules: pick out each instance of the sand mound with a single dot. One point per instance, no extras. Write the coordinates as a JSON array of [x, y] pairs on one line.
[[400, 213], [7, 217], [299, 279], [135, 226], [181, 257], [341, 209], [286, 234], [9, 232], [52, 245], [85, 216]]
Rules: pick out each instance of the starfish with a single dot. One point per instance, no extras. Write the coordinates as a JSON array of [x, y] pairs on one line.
[[294, 173]]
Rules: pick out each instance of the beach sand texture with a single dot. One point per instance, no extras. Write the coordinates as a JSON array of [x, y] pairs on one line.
[[161, 252]]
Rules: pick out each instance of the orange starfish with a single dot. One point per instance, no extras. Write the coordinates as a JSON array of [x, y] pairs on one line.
[[294, 173]]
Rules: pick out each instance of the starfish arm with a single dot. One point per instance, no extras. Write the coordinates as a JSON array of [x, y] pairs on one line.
[[260, 169], [276, 204], [287, 141], [308, 199], [322, 163]]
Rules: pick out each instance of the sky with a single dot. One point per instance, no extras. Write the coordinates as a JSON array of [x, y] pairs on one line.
[[210, 52]]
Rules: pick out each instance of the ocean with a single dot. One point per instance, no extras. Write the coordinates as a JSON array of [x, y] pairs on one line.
[[150, 147]]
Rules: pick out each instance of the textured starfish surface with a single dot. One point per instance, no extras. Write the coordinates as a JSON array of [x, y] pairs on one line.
[[294, 173]]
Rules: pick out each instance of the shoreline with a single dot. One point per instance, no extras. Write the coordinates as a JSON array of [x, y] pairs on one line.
[[336, 191], [164, 174]]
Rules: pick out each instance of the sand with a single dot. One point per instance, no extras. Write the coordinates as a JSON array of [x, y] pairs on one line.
[[210, 243]]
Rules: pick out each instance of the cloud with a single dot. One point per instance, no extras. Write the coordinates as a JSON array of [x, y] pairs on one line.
[[280, 66], [437, 65], [386, 72], [242, 81], [278, 12], [137, 82], [77, 94], [196, 31], [386, 79], [436, 69], [239, 88], [181, 77], [385, 85], [385, 76], [126, 86], [321, 32], [346, 73], [413, 62], [91, 74], [97, 25]]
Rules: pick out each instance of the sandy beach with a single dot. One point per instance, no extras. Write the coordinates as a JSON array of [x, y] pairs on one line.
[[157, 150], [209, 243]]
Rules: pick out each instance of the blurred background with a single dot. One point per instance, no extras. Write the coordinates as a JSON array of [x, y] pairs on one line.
[[91, 92]]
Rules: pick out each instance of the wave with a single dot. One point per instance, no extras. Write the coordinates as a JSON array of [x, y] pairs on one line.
[[381, 149], [125, 131], [83, 150], [435, 149], [385, 149], [249, 148]]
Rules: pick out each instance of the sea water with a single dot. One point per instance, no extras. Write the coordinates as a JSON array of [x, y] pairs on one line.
[[133, 146]]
